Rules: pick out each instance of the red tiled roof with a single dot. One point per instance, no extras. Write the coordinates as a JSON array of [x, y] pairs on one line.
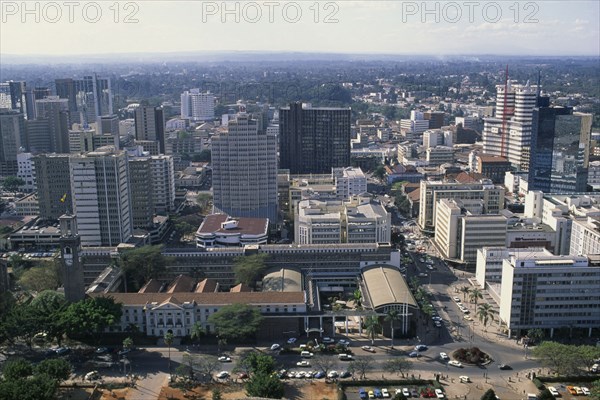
[[206, 286], [240, 288], [152, 286], [182, 283]]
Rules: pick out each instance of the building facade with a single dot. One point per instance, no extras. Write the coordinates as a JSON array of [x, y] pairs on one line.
[[150, 126], [197, 106], [53, 179]]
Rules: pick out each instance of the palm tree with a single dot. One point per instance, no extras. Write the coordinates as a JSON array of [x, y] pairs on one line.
[[465, 290], [197, 332], [428, 310], [357, 297], [169, 341], [372, 327], [392, 316], [475, 295], [485, 312]]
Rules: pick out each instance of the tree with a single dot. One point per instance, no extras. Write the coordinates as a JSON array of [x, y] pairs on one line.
[[392, 316], [489, 395], [236, 321], [595, 389], [12, 183], [16, 369], [372, 326], [207, 365], [465, 290], [204, 201], [142, 264], [216, 394], [475, 295], [379, 172], [428, 310], [566, 359], [324, 362], [197, 332], [128, 343], [168, 338], [265, 386], [545, 395], [58, 369], [485, 312], [257, 363], [41, 278], [38, 387], [399, 366], [23, 322], [360, 366], [90, 317], [357, 297], [249, 269], [536, 335], [203, 156]]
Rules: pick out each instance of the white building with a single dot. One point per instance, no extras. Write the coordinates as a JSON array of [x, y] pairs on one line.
[[514, 143], [439, 155], [488, 271], [197, 106], [594, 174], [100, 190], [416, 124], [219, 230], [244, 163], [549, 292], [26, 171], [585, 236], [177, 124], [467, 122], [349, 182]]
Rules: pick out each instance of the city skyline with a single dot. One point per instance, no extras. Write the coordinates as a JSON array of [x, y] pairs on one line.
[[433, 28]]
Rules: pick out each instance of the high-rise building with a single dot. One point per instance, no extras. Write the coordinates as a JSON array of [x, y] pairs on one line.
[[559, 143], [435, 118], [197, 106], [89, 97], [56, 111], [514, 112], [108, 124], [12, 138], [53, 185], [18, 99], [245, 171], [41, 92], [65, 89], [150, 125], [314, 140], [101, 201], [26, 171], [38, 133]]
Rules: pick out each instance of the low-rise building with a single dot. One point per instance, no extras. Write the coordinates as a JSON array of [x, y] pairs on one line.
[[220, 230], [27, 205]]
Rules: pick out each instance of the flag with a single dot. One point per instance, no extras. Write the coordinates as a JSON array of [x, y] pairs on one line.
[[62, 199]]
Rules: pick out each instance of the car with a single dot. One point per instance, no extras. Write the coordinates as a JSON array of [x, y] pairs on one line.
[[378, 393], [585, 391], [101, 350], [414, 392], [464, 379], [444, 356], [275, 346], [467, 317], [302, 347], [423, 275], [572, 390], [242, 375], [292, 340], [345, 357], [439, 394], [92, 375], [422, 260], [455, 363], [368, 348], [344, 342], [346, 374], [303, 363], [306, 354], [504, 366], [124, 352], [437, 324], [62, 351], [371, 394], [595, 368], [456, 299], [577, 389], [222, 375], [406, 392], [333, 374], [553, 391], [319, 374], [413, 354], [466, 311], [362, 394], [224, 359], [421, 347], [384, 393], [328, 340], [436, 318]]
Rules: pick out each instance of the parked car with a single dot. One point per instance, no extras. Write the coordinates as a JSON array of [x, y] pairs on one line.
[[371, 394], [585, 391], [344, 342], [303, 363], [62, 351], [385, 393], [553, 391], [368, 348], [378, 393], [423, 275], [455, 363], [362, 394], [572, 390], [346, 374], [306, 354], [92, 375], [439, 394], [319, 375], [345, 357], [222, 375], [406, 392], [332, 374], [456, 299], [421, 347], [275, 346], [242, 375], [224, 359], [464, 379], [437, 324], [444, 356], [292, 340], [101, 350], [414, 392], [328, 340], [504, 366], [413, 354]]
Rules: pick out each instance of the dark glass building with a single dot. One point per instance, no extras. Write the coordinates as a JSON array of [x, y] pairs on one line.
[[314, 140], [558, 162]]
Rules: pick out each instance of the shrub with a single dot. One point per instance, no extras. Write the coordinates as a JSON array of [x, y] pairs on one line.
[[538, 384]]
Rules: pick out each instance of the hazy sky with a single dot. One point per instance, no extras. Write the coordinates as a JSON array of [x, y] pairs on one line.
[[543, 27]]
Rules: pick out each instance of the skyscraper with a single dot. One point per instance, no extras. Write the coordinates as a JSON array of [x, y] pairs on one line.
[[244, 164], [314, 140], [53, 185], [558, 150], [150, 125], [12, 136], [56, 111], [197, 106], [89, 97], [516, 118], [100, 187]]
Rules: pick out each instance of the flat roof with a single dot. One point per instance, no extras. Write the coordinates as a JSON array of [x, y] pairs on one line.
[[386, 285], [246, 226]]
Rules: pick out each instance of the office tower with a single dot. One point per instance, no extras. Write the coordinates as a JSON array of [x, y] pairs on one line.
[[53, 185], [56, 111], [65, 89], [100, 185], [435, 118], [417, 124], [5, 99], [17, 97], [98, 97], [26, 171], [197, 106], [514, 113], [314, 140], [41, 92], [245, 171], [83, 139], [38, 136], [12, 137], [108, 124], [150, 125], [152, 184], [71, 265], [558, 150]]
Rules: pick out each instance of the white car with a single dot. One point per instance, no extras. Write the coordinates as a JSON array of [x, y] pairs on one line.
[[303, 363], [275, 346], [222, 375], [344, 342], [456, 299], [385, 393], [464, 379], [224, 359], [368, 348], [328, 340], [332, 374], [292, 340], [553, 391], [585, 391], [455, 363], [444, 356], [439, 394], [406, 392]]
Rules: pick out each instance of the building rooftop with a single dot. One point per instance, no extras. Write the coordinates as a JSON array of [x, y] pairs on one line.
[[152, 286], [245, 226], [182, 283], [386, 286], [282, 280], [207, 286], [219, 298]]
